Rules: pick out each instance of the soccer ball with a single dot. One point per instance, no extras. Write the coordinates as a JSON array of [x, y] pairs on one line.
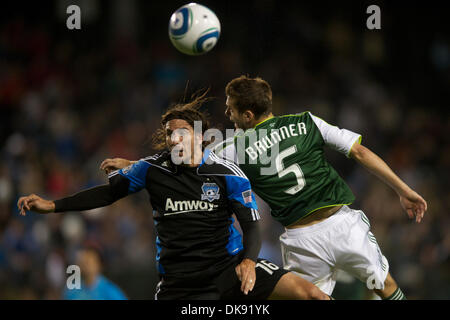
[[194, 29]]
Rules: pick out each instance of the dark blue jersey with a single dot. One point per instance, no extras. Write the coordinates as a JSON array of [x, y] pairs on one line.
[[192, 210]]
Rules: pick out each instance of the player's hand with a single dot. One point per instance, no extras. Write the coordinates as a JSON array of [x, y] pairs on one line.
[[109, 165], [246, 274], [414, 205], [36, 204]]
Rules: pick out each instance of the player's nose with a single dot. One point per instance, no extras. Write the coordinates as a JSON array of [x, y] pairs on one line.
[[175, 138], [227, 111]]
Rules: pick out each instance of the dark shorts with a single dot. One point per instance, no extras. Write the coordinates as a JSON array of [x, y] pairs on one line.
[[224, 286]]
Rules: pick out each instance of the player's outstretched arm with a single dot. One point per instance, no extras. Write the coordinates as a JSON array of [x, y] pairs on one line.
[[411, 201], [88, 199]]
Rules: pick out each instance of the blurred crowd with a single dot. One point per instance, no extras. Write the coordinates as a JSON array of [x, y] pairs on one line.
[[69, 99]]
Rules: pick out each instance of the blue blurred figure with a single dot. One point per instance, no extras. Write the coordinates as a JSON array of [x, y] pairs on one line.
[[94, 286]]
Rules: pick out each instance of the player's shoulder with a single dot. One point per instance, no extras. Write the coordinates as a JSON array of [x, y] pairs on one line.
[[306, 118], [159, 161], [140, 167], [215, 165], [295, 116], [223, 145], [158, 158], [279, 121], [226, 149]]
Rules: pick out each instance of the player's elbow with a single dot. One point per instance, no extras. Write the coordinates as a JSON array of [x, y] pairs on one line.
[[358, 152]]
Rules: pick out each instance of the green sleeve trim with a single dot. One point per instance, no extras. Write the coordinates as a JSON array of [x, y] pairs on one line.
[[264, 121], [359, 142], [283, 116], [294, 115]]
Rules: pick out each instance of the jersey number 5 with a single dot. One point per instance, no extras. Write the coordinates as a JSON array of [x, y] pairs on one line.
[[295, 169]]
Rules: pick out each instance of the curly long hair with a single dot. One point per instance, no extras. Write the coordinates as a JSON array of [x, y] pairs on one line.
[[189, 112]]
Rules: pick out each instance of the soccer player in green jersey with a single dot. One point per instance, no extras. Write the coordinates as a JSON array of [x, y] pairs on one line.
[[283, 156]]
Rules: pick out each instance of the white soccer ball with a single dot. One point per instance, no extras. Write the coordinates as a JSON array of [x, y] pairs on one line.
[[194, 29]]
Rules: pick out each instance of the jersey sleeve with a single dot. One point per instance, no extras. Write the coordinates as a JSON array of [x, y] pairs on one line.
[[130, 179], [341, 140], [241, 198]]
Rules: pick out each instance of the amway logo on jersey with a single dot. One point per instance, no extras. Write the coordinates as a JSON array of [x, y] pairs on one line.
[[187, 206]]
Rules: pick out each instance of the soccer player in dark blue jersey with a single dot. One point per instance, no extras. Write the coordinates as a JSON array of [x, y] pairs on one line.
[[194, 194]]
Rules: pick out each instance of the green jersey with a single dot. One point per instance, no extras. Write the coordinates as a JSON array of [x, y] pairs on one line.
[[283, 157]]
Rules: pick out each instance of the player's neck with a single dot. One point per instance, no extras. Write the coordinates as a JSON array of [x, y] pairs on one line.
[[261, 119]]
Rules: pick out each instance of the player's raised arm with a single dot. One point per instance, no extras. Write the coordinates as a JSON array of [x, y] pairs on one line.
[[121, 183], [348, 143], [412, 203], [92, 198]]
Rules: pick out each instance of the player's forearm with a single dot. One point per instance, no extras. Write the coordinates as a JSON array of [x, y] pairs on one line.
[[378, 167], [88, 199], [251, 239]]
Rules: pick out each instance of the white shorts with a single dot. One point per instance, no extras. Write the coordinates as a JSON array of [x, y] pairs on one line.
[[342, 241]]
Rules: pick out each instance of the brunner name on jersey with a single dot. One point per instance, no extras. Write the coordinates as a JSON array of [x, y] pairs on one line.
[[262, 145]]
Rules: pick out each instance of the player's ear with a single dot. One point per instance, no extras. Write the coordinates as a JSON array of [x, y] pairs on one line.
[[248, 115]]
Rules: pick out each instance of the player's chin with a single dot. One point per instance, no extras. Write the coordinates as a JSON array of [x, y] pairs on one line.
[[234, 123], [178, 153]]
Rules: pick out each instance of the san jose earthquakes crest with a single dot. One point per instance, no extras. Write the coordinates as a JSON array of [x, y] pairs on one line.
[[210, 191]]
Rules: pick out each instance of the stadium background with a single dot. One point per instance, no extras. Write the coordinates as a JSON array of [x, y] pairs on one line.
[[69, 99]]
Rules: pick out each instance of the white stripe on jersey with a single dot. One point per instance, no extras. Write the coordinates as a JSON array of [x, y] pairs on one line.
[[158, 289], [114, 173], [230, 165], [216, 159], [255, 214], [150, 158]]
